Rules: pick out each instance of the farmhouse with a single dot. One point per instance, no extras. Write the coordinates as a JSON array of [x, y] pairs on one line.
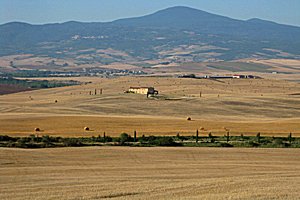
[[143, 90], [244, 76], [238, 76]]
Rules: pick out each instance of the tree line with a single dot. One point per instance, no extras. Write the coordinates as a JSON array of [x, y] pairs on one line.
[[34, 141], [36, 84]]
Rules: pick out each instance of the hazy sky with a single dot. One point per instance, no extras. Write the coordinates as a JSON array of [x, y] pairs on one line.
[[50, 11]]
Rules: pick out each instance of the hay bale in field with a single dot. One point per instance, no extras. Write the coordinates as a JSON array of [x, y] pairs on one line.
[[86, 128], [202, 129], [189, 119], [37, 129]]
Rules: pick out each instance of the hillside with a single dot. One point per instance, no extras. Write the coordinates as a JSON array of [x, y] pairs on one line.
[[244, 106], [203, 36]]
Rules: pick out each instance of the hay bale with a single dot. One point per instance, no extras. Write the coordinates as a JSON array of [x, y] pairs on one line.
[[37, 129], [86, 128], [202, 129], [189, 119]]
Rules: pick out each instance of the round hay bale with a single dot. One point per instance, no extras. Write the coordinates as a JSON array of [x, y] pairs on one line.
[[202, 129], [37, 129], [86, 128], [189, 119]]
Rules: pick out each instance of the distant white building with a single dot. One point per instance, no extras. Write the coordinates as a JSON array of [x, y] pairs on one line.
[[143, 90], [238, 76]]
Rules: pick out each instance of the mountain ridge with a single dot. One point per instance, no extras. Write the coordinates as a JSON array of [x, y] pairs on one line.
[[159, 11], [147, 36]]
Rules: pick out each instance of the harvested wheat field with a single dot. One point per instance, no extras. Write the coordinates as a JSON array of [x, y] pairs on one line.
[[149, 173], [271, 107]]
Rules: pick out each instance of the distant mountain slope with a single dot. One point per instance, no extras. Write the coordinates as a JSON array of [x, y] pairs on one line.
[[151, 36], [188, 18], [180, 17]]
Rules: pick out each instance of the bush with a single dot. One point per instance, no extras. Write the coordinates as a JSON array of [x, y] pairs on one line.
[[124, 138], [253, 144], [212, 141], [24, 140], [163, 141], [21, 143], [5, 138], [46, 139], [226, 145], [278, 141], [72, 142]]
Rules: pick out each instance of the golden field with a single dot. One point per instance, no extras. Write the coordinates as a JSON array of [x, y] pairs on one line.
[[269, 106], [149, 173]]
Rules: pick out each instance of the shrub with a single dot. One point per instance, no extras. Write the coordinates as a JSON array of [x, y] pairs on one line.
[[163, 141], [6, 138], [124, 138], [21, 144], [253, 144], [242, 136], [278, 141], [226, 145], [72, 142], [46, 139], [24, 140]]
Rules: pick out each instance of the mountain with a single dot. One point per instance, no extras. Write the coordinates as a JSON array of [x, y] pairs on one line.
[[200, 36], [203, 22], [179, 17]]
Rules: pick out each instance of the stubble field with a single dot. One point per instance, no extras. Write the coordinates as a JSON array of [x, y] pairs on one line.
[[271, 107], [149, 173]]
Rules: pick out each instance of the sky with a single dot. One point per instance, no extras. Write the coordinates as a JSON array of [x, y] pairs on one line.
[[53, 11]]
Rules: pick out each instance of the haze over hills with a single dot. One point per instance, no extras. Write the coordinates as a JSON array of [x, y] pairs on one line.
[[176, 34]]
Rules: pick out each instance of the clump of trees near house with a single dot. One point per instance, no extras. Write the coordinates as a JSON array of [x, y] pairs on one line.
[[33, 141]]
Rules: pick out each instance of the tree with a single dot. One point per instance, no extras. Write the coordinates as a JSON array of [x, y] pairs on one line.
[[211, 137], [290, 137], [258, 137], [227, 137], [124, 138], [134, 136], [242, 136]]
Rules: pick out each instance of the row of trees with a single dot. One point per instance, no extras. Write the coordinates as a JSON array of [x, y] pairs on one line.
[[125, 139]]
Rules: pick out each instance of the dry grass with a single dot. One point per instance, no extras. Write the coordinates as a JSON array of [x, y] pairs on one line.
[[149, 173], [69, 126], [247, 106]]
